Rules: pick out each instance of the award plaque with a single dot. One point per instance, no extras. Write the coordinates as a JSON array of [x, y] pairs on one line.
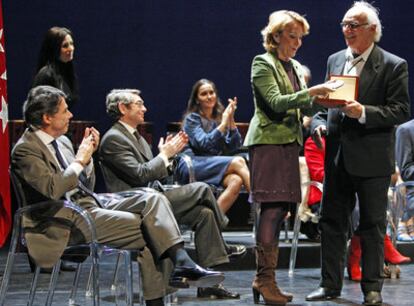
[[346, 88]]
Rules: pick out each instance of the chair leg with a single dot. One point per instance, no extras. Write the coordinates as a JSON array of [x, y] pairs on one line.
[[171, 299], [294, 248], [256, 217], [6, 276], [10, 259], [95, 275], [52, 284], [286, 225], [75, 284], [89, 288], [141, 295], [115, 278], [128, 279], [92, 288], [33, 286]]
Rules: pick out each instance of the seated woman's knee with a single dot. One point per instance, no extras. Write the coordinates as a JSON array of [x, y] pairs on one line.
[[239, 162]]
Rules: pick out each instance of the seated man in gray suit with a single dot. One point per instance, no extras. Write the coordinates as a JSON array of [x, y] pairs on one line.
[[128, 163], [46, 164], [404, 155]]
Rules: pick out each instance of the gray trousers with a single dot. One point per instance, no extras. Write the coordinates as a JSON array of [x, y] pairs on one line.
[[142, 219], [194, 205]]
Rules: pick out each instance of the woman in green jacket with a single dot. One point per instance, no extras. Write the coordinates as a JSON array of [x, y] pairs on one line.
[[274, 137]]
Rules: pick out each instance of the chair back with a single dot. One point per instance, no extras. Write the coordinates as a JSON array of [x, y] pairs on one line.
[[304, 179], [306, 184], [189, 164], [18, 191]]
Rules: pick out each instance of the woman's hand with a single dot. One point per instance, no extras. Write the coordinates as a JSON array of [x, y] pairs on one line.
[[228, 115], [233, 104], [321, 90]]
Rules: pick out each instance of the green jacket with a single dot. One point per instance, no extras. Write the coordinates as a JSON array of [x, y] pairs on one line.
[[276, 118]]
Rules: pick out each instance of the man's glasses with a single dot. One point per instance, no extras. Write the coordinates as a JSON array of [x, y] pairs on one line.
[[352, 25]]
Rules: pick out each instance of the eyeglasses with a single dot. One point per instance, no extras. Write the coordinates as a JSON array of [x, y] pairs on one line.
[[138, 103], [352, 25]]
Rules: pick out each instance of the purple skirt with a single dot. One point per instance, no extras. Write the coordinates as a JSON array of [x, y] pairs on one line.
[[274, 173]]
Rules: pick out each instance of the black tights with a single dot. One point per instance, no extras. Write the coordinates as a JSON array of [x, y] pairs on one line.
[[270, 222]]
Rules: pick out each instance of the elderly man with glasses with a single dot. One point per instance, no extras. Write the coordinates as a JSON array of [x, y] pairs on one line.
[[360, 152]]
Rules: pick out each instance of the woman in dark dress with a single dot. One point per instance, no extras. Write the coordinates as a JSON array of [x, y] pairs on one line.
[[55, 64], [274, 136], [213, 137]]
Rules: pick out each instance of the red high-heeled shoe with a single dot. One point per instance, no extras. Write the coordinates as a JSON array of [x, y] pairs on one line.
[[391, 254], [354, 257]]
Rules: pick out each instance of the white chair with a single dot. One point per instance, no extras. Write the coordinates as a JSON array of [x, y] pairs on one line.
[[398, 202], [303, 213]]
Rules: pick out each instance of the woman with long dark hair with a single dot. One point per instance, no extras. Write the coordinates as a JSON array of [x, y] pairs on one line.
[[55, 64], [213, 138]]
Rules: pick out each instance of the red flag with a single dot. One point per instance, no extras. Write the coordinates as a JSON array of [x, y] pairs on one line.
[[5, 207]]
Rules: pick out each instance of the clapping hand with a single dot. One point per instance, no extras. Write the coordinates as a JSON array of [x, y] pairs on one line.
[[173, 144], [86, 149], [233, 106], [227, 120], [95, 136]]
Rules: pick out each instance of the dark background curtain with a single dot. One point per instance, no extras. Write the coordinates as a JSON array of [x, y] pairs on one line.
[[162, 47]]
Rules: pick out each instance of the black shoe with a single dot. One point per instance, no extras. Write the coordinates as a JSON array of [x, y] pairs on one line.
[[235, 250], [372, 298], [184, 277], [64, 266], [156, 302], [323, 294], [217, 292], [67, 267]]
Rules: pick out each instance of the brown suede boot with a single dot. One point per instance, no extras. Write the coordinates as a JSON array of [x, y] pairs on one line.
[[287, 295], [264, 283]]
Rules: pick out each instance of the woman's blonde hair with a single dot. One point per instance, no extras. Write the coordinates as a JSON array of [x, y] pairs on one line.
[[277, 23]]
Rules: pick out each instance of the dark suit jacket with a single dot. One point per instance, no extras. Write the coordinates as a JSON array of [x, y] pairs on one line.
[[368, 149], [128, 164]]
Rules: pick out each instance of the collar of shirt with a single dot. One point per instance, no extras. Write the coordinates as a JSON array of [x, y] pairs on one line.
[[128, 127], [350, 58], [354, 66], [364, 55], [44, 137], [47, 139]]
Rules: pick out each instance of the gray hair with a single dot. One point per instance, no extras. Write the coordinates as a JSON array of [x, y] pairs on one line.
[[372, 16], [41, 100], [116, 96]]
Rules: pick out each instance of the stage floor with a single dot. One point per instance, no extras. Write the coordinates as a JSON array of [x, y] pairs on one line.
[[396, 292]]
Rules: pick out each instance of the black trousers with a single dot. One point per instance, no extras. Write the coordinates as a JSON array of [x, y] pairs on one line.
[[340, 189]]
